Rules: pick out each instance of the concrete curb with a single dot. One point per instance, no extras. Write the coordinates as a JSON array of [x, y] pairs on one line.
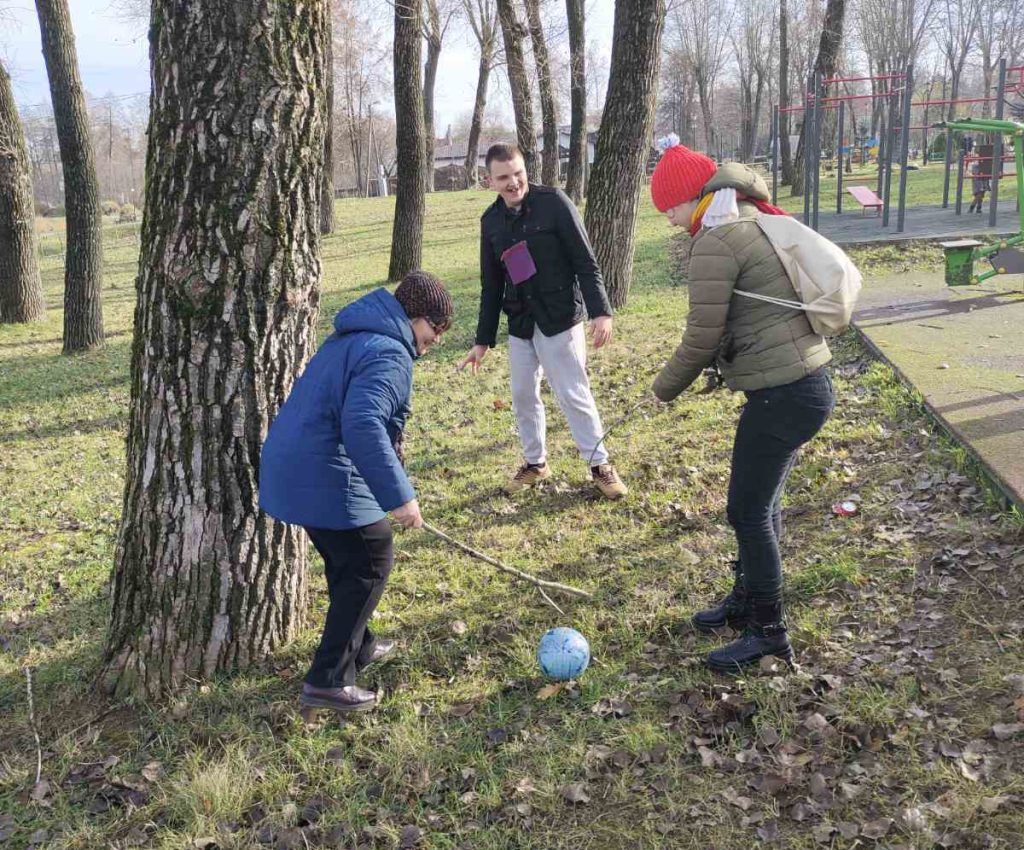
[[993, 478]]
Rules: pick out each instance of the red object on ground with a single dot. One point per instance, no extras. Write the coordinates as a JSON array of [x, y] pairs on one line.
[[844, 508]]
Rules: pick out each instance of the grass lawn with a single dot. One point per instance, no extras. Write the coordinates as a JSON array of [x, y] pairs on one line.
[[901, 729]]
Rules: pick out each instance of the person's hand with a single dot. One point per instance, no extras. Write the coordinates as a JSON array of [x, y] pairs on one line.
[[474, 358], [601, 330], [408, 516]]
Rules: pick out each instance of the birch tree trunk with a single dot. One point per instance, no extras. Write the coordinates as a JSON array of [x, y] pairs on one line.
[[83, 267], [549, 154], [407, 231], [21, 290], [624, 141], [228, 294], [576, 169], [514, 34]]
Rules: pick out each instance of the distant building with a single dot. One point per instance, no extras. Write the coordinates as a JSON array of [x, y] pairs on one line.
[[450, 153]]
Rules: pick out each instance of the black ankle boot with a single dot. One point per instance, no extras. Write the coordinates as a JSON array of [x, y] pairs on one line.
[[733, 611], [765, 635]]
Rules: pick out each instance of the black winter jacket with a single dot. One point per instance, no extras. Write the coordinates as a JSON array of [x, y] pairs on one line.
[[567, 286]]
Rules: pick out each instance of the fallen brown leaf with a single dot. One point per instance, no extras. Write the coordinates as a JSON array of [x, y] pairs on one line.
[[575, 793]]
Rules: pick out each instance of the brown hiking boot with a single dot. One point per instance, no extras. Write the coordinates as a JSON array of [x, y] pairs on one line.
[[608, 481], [527, 476]]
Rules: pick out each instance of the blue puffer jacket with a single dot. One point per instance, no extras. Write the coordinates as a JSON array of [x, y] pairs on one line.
[[329, 459]]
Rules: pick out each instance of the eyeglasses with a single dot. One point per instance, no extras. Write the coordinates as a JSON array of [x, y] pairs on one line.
[[440, 327]]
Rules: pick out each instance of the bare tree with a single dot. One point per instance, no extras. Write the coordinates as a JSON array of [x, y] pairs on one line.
[[826, 64], [575, 174], [21, 290], [514, 34], [83, 268], [407, 231], [701, 29], [550, 159], [435, 24], [361, 65], [1012, 31], [483, 20], [959, 24], [228, 294], [624, 141], [327, 188], [754, 56], [785, 154]]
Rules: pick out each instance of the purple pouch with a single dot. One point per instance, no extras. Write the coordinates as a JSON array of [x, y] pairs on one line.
[[519, 263]]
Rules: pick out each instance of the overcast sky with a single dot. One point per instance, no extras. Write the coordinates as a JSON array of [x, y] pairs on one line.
[[114, 57]]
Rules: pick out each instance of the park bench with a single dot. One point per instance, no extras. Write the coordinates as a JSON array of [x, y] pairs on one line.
[[866, 198]]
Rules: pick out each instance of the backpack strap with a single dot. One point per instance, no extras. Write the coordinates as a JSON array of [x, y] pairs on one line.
[[771, 299]]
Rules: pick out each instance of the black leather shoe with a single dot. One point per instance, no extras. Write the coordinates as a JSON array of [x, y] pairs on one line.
[[733, 611], [348, 698], [381, 650]]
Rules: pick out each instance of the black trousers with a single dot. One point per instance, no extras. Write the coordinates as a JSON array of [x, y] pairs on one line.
[[774, 423], [356, 564]]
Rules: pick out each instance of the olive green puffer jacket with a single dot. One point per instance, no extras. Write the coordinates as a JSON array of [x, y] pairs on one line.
[[756, 344]]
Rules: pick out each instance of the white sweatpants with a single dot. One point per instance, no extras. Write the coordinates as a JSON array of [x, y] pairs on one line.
[[563, 358]]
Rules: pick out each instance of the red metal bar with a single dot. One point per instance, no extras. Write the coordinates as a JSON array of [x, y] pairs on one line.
[[837, 98], [1008, 157], [862, 79], [957, 101]]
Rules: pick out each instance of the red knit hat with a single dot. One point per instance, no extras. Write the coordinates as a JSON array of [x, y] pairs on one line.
[[679, 176]]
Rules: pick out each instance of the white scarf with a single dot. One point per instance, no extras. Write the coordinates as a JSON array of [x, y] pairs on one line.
[[723, 208]]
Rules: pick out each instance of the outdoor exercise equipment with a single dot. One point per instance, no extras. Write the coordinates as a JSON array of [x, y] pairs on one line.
[[962, 254], [894, 92]]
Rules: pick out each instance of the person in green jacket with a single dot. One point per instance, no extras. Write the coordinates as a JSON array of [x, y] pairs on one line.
[[764, 350]]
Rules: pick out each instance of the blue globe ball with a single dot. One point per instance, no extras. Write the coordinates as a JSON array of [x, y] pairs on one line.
[[563, 654]]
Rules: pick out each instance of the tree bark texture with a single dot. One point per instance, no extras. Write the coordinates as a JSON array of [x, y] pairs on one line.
[[479, 104], [624, 140], [514, 34], [576, 168], [785, 154], [407, 232], [83, 268], [228, 296], [327, 192], [433, 39], [549, 122], [826, 64], [21, 290]]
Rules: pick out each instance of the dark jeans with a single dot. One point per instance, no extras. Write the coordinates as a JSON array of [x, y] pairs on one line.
[[356, 564], [774, 423]]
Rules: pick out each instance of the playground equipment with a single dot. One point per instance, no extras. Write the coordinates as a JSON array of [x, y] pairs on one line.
[[962, 254], [895, 93]]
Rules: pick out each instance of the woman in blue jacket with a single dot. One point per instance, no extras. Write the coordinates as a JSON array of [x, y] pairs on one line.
[[332, 463]]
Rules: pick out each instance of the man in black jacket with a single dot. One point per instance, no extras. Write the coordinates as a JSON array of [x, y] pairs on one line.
[[537, 265]]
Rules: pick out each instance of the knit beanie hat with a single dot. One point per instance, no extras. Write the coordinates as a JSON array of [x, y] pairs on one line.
[[423, 296], [680, 174]]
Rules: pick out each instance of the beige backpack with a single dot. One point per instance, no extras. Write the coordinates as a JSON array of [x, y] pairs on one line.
[[824, 277]]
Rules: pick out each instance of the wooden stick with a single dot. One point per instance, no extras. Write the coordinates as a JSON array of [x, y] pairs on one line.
[[32, 723], [480, 556]]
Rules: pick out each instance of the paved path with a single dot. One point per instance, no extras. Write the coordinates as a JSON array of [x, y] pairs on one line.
[[961, 348], [925, 222]]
